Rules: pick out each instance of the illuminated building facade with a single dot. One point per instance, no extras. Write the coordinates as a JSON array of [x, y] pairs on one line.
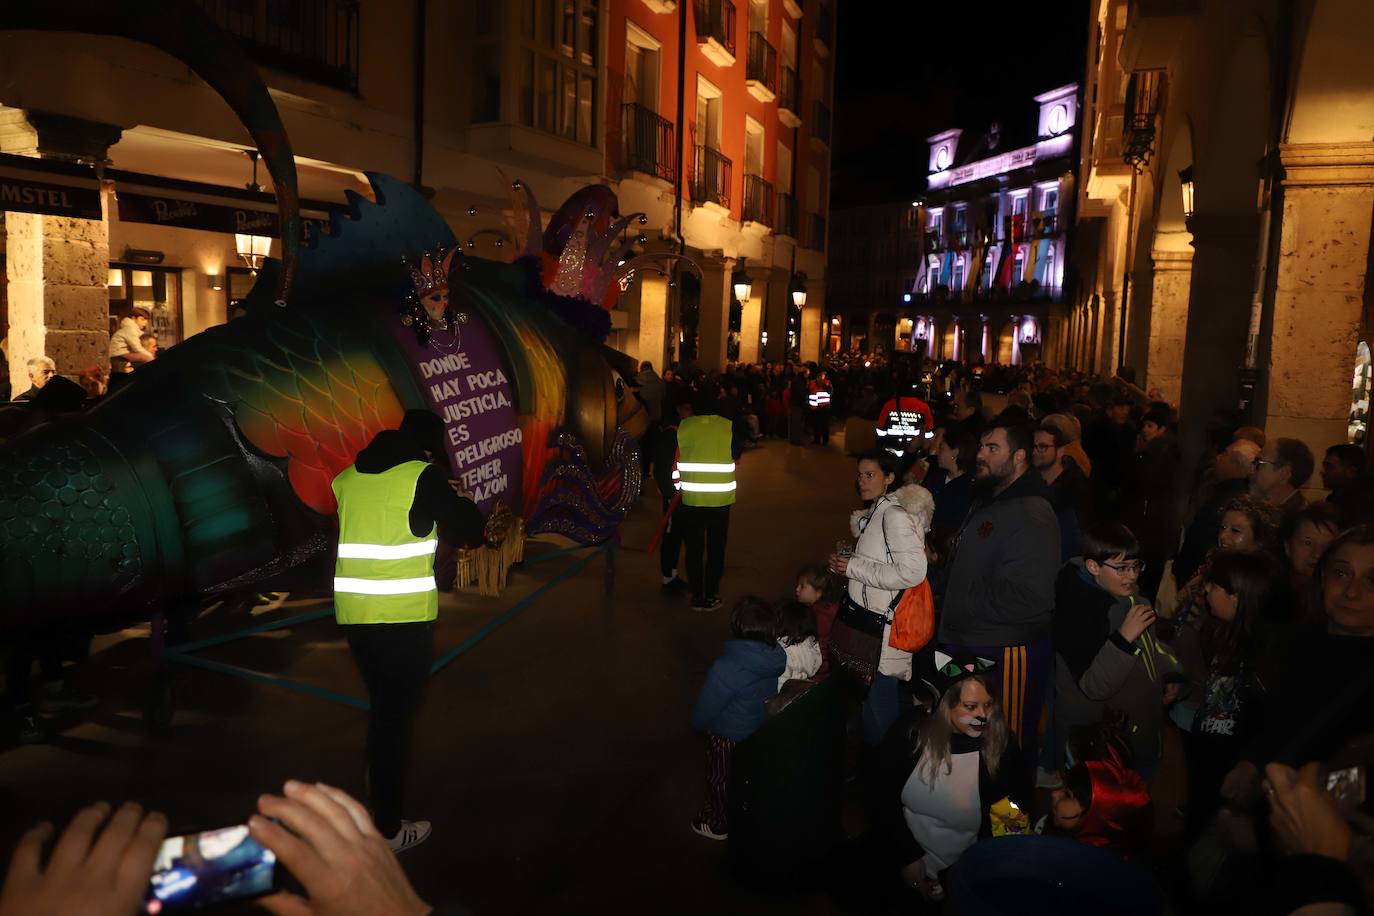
[[975, 270]]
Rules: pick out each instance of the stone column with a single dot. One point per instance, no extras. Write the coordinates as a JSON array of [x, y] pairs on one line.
[[1222, 282], [57, 267], [713, 321], [812, 319], [749, 325], [653, 319], [779, 301], [1320, 290], [1173, 271]]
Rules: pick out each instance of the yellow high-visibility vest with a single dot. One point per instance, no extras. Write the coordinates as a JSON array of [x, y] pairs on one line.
[[384, 573], [705, 470]]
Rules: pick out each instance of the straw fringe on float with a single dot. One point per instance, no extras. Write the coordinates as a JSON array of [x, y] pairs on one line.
[[487, 566]]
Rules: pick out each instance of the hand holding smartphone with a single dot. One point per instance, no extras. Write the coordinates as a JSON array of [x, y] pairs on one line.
[[214, 866]]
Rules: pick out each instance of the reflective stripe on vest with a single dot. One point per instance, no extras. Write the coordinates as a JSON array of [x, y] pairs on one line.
[[388, 551], [705, 469], [385, 586], [384, 572]]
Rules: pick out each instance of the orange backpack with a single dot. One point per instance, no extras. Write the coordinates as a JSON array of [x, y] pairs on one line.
[[913, 619]]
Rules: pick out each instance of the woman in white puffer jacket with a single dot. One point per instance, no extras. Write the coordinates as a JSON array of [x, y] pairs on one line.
[[889, 556]]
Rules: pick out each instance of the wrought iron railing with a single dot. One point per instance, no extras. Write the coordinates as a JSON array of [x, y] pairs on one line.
[[815, 231], [649, 145], [825, 29], [1143, 95], [758, 200], [711, 177], [716, 19], [789, 95], [786, 223], [316, 39], [820, 122], [762, 62]]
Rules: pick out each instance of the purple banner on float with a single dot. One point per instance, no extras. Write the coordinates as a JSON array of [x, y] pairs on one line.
[[466, 386]]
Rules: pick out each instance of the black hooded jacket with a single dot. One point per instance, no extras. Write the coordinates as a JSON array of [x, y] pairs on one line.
[[460, 523]]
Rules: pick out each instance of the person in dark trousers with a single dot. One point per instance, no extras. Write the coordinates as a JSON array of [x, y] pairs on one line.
[[999, 595], [798, 397], [708, 446], [385, 594], [665, 460], [819, 394]]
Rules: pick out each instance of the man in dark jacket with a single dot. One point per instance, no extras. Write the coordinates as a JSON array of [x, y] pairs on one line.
[[1151, 491], [999, 597], [1067, 486]]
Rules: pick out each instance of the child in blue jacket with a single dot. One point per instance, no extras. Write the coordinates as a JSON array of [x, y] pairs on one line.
[[730, 707]]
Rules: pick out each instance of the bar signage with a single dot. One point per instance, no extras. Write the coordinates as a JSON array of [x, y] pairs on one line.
[[192, 214], [27, 196]]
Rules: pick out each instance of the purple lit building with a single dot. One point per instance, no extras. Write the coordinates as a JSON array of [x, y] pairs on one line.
[[983, 269]]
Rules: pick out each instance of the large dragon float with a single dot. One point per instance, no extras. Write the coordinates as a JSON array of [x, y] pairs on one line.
[[210, 471]]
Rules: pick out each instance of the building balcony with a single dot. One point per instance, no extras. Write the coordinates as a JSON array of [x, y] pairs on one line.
[[789, 97], [314, 39], [824, 35], [716, 31], [760, 69], [648, 143], [820, 125], [1144, 93], [815, 231], [711, 177], [786, 223], [758, 201]]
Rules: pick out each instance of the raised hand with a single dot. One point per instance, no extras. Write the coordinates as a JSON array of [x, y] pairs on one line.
[[91, 871], [336, 853]]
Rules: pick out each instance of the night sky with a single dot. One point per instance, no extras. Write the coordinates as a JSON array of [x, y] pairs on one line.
[[910, 69]]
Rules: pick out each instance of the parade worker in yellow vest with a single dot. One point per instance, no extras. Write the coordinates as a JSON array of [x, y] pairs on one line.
[[705, 477], [393, 503]]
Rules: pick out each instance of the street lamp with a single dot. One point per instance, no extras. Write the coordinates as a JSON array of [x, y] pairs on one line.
[[1185, 177], [799, 290], [741, 282], [252, 248]]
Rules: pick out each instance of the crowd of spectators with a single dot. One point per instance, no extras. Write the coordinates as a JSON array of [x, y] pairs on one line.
[[1160, 673]]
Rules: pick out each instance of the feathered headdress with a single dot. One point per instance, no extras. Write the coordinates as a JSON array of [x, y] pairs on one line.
[[428, 277], [585, 256]]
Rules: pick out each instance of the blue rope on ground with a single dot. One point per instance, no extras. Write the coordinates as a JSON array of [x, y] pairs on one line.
[[197, 645], [181, 653], [519, 606], [260, 677]]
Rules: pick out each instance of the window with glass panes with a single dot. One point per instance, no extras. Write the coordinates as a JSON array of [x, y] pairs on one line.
[[558, 52]]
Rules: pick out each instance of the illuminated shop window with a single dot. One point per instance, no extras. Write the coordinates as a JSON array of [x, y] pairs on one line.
[[156, 288]]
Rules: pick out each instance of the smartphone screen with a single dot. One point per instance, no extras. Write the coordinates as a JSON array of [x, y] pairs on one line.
[[1347, 786], [201, 869]]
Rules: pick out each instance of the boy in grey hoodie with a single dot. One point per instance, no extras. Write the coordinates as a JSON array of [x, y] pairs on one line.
[[1107, 658]]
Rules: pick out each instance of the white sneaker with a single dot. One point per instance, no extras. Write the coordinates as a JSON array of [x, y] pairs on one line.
[[412, 833]]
